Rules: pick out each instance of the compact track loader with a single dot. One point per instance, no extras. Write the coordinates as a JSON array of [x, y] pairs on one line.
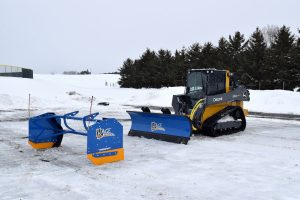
[[212, 105]]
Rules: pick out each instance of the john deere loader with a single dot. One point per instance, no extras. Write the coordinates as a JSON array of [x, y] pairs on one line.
[[212, 105]]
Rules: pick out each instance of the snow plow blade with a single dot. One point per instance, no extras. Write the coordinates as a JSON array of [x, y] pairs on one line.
[[104, 137], [166, 127]]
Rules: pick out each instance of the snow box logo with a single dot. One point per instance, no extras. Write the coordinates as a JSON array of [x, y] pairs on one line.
[[101, 133], [157, 127]]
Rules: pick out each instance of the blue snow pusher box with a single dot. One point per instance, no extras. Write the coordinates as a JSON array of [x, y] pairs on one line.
[[104, 137]]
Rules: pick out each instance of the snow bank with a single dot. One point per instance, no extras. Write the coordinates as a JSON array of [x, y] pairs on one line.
[[274, 101], [52, 91]]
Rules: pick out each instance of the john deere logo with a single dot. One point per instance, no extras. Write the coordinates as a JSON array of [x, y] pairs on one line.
[[157, 127], [217, 99], [101, 133]]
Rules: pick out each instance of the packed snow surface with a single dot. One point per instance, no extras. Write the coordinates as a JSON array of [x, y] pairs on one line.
[[263, 162]]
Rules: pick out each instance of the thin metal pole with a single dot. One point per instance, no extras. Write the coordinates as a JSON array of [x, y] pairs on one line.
[[92, 99], [91, 104], [29, 105]]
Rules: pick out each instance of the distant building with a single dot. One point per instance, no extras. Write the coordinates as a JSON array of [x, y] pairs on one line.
[[76, 73], [70, 73], [13, 71], [85, 72]]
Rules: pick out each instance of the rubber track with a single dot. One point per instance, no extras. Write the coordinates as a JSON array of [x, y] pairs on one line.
[[209, 126]]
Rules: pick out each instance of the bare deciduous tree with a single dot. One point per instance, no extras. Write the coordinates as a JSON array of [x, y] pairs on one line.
[[269, 33]]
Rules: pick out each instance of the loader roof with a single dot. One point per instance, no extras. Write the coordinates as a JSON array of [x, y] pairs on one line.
[[207, 69]]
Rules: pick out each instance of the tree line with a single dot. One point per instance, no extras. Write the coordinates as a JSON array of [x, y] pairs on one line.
[[269, 59]]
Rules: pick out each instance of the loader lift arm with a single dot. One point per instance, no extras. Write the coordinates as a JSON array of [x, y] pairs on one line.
[[208, 126]]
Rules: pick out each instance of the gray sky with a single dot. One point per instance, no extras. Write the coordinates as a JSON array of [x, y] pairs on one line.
[[58, 35]]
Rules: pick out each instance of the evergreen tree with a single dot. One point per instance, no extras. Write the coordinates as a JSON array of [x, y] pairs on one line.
[[237, 45], [270, 65], [126, 73], [166, 72], [209, 56], [296, 61], [148, 68], [180, 64], [282, 60], [194, 56], [223, 54], [255, 53]]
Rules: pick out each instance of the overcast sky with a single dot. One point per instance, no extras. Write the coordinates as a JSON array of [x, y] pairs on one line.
[[57, 35]]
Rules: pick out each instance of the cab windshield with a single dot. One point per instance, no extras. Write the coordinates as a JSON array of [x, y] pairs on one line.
[[195, 82]]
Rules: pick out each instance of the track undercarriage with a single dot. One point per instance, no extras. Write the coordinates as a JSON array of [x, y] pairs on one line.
[[227, 121]]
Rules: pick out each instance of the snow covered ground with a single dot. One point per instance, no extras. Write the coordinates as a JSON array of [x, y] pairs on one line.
[[263, 162], [51, 91]]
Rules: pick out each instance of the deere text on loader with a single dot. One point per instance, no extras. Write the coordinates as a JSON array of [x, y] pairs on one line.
[[212, 105]]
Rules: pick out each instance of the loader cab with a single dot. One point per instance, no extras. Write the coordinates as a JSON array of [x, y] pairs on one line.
[[199, 84], [206, 82]]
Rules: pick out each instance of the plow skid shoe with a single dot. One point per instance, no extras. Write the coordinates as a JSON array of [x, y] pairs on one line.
[[166, 127]]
